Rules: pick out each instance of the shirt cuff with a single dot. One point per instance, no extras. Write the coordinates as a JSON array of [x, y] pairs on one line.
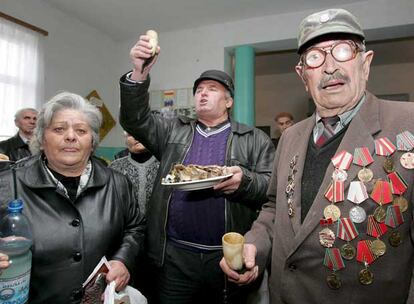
[[128, 79]]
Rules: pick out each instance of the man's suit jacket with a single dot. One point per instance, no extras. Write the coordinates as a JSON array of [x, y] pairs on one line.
[[293, 250], [15, 148]]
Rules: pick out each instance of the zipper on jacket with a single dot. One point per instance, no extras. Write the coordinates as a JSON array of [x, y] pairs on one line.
[[226, 203], [169, 198]]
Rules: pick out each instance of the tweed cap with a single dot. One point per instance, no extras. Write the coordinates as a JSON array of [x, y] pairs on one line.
[[330, 21], [216, 75]]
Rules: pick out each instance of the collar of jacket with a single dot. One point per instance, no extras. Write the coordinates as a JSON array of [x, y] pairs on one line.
[[236, 127], [34, 174]]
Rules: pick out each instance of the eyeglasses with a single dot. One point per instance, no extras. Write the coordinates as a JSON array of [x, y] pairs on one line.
[[341, 51]]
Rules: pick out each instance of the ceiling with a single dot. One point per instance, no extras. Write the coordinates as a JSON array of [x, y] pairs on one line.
[[122, 19]]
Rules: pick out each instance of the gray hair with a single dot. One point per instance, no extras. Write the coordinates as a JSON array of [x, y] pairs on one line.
[[60, 102], [19, 113]]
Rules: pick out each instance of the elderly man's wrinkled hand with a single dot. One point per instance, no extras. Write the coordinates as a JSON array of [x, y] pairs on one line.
[[231, 184], [252, 270], [118, 273]]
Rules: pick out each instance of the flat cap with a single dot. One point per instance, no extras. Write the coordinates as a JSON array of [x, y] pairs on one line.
[[216, 75], [330, 21]]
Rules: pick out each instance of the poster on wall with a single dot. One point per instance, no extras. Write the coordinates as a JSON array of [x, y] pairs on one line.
[[108, 122]]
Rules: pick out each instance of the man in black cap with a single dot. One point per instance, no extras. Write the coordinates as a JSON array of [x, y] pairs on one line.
[[338, 227], [185, 227]]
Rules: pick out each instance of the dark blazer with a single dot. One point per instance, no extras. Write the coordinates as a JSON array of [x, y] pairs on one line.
[[70, 238], [15, 148], [297, 271]]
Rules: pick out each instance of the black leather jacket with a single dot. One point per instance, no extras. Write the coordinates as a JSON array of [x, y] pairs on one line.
[[170, 140], [14, 148], [69, 237]]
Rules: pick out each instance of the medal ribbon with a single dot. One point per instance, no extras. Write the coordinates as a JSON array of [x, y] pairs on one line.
[[398, 184], [384, 147], [342, 160], [405, 141], [364, 252], [362, 157], [381, 193], [357, 192], [346, 229], [394, 216], [374, 228], [335, 192], [333, 259]]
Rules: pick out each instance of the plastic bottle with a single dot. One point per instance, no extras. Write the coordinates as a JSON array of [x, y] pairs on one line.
[[15, 241]]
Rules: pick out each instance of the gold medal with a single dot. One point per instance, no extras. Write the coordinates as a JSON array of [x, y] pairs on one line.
[[332, 212], [402, 202], [388, 165], [378, 247], [395, 239], [366, 277], [380, 214], [333, 280], [365, 175], [348, 251]]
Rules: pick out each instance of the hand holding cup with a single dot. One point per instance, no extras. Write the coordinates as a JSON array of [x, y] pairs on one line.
[[233, 250]]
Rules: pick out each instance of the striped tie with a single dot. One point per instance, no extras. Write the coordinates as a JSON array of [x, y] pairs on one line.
[[329, 124]]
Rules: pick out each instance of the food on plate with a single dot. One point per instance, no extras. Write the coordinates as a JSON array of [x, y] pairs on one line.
[[182, 173]]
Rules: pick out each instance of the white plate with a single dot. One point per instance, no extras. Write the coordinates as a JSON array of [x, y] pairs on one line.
[[197, 184]]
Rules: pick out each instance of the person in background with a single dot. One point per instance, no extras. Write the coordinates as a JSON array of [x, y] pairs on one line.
[[141, 167], [338, 227], [283, 121], [185, 227], [79, 210], [17, 146]]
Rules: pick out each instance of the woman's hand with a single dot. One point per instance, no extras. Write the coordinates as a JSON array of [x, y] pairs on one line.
[[118, 273], [4, 261]]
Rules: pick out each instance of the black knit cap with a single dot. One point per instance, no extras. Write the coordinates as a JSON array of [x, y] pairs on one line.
[[216, 75]]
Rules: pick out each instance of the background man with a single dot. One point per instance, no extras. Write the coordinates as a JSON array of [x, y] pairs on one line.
[[17, 147], [352, 242], [283, 121], [185, 228]]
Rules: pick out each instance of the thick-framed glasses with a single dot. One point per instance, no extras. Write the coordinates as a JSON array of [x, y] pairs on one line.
[[341, 51]]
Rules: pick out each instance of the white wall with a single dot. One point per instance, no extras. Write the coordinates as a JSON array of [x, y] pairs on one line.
[[78, 58], [285, 92]]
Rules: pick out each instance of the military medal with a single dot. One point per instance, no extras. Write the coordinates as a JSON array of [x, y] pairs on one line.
[[362, 158], [379, 214], [381, 193], [347, 231], [342, 160], [366, 257], [384, 147], [402, 202], [365, 276], [357, 192], [357, 214], [375, 228], [388, 165], [378, 247], [405, 142], [395, 239], [332, 212], [290, 188], [339, 175], [407, 160], [334, 262], [348, 251], [398, 184], [365, 175], [326, 237], [335, 192]]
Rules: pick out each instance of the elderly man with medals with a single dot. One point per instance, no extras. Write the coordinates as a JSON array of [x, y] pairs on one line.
[[338, 226]]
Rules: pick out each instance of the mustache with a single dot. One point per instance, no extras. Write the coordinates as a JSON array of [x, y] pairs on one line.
[[336, 76]]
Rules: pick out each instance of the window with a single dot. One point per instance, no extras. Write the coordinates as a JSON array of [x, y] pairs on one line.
[[21, 73]]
